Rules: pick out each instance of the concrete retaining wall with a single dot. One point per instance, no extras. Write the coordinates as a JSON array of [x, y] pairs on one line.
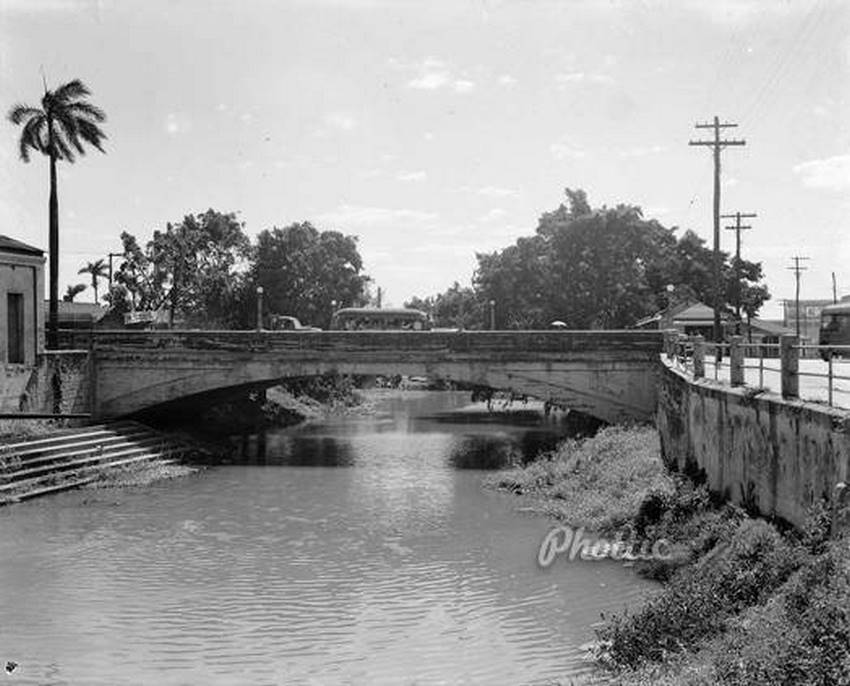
[[773, 455], [61, 383]]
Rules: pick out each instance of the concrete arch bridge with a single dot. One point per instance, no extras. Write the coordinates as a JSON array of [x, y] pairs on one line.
[[611, 375]]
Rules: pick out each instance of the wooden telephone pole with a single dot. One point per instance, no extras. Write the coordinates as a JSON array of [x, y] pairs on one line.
[[738, 216], [717, 144], [798, 269]]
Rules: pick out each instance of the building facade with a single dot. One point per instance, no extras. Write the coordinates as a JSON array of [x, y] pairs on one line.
[[21, 295], [809, 317]]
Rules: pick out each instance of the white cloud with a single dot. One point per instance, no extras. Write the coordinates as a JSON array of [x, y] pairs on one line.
[[654, 211], [30, 7], [563, 150], [741, 12], [177, 122], [364, 216], [493, 215], [832, 173], [495, 192], [430, 81], [340, 121], [643, 151], [433, 74], [412, 176], [507, 80], [570, 78]]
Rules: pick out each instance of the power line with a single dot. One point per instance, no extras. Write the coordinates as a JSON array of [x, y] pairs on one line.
[[798, 269], [738, 216], [717, 144]]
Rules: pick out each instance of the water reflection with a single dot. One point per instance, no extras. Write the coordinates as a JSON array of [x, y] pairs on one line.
[[384, 563]]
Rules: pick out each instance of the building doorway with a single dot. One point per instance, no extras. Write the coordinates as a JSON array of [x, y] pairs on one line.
[[15, 328]]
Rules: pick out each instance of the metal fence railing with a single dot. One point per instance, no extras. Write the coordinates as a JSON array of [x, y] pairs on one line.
[[811, 372]]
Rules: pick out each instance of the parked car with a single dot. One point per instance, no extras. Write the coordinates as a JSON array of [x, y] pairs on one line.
[[285, 322]]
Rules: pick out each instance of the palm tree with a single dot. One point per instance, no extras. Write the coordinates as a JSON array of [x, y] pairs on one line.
[[97, 269], [73, 291], [59, 129]]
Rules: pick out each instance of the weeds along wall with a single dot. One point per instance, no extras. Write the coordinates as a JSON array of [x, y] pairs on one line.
[[59, 383], [770, 455]]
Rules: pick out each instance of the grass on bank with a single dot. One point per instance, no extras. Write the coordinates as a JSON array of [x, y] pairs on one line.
[[765, 609], [744, 602], [11, 429], [595, 483]]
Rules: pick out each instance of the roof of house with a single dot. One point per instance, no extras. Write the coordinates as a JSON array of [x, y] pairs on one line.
[[774, 328], [697, 313], [79, 311], [11, 245]]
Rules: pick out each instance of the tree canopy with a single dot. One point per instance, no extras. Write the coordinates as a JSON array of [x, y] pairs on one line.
[[305, 272], [191, 268], [206, 271], [60, 129], [595, 268]]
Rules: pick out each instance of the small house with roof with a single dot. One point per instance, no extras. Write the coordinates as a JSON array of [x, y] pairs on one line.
[[21, 295]]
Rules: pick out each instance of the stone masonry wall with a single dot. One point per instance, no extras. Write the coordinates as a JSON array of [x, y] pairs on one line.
[[773, 455]]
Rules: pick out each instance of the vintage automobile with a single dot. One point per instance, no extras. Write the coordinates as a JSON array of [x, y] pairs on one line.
[[285, 322]]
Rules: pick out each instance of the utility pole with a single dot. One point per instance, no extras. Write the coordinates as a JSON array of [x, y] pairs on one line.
[[717, 144], [834, 289], [798, 269], [111, 255], [738, 216]]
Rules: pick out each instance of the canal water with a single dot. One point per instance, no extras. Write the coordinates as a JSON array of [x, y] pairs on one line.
[[360, 550]]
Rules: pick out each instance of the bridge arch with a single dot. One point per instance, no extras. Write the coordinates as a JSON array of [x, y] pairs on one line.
[[610, 375]]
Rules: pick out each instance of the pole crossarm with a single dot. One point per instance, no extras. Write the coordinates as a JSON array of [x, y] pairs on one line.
[[717, 146]]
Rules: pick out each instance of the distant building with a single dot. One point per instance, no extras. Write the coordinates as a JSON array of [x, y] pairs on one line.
[[690, 318], [809, 317], [697, 319], [21, 292], [78, 315]]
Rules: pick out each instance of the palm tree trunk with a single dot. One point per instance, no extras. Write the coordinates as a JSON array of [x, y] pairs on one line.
[[53, 323], [94, 285]]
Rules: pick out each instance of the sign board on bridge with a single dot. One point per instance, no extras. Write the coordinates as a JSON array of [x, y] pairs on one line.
[[140, 317]]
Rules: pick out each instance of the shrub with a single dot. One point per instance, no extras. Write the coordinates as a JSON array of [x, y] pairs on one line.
[[802, 636], [737, 573]]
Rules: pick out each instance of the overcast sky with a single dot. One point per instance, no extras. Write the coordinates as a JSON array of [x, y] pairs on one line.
[[436, 128]]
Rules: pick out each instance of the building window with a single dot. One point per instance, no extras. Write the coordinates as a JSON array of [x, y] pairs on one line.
[[15, 327]]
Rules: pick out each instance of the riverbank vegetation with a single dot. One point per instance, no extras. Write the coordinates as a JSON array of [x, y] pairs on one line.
[[744, 601], [595, 483], [11, 429]]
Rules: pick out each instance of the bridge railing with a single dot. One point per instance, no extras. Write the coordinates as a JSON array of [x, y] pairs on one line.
[[642, 344], [796, 370]]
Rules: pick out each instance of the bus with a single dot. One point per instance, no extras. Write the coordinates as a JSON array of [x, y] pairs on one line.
[[835, 327], [375, 319]]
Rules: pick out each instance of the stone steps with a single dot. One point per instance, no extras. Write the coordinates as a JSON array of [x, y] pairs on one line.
[[73, 458]]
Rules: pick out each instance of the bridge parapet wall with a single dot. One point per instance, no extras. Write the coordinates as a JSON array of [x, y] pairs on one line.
[[611, 374], [777, 456]]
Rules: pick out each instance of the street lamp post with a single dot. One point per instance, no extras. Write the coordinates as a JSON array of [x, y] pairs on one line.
[[492, 315], [259, 308]]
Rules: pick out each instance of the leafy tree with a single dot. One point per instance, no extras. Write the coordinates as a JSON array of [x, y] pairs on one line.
[[600, 268], [72, 292], [60, 129], [193, 268], [458, 307], [303, 271], [97, 270]]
